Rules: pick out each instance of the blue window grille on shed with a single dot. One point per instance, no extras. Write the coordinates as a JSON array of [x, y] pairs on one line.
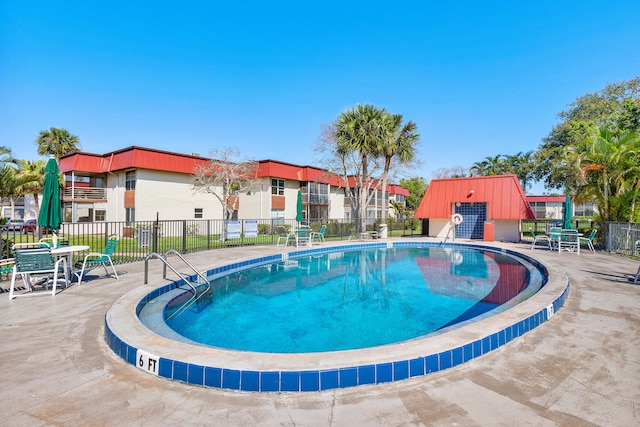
[[474, 215]]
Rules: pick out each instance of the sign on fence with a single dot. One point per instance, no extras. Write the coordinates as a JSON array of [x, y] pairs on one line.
[[233, 229], [250, 228]]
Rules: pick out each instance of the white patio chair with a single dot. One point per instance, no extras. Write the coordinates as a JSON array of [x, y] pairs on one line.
[[282, 233], [569, 241], [539, 238], [36, 262]]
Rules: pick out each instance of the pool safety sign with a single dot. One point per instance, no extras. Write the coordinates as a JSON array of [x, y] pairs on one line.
[[147, 362], [233, 229], [250, 228]]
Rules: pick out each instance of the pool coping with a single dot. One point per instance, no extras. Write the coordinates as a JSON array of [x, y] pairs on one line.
[[260, 372]]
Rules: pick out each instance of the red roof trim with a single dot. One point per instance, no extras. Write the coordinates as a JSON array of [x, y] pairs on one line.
[[150, 158]]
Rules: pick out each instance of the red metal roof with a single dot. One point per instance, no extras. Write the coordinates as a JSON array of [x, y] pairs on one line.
[[502, 193], [131, 157], [149, 158], [397, 189]]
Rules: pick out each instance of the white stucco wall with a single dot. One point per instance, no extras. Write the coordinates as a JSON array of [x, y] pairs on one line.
[[507, 231], [256, 205], [504, 230], [336, 203], [171, 196]]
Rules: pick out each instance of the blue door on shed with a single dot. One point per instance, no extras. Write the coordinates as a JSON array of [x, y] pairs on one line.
[[474, 215]]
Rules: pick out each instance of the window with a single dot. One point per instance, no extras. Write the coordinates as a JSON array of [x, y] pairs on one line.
[[100, 215], [277, 187], [316, 200], [130, 180], [197, 213], [277, 216], [130, 214]]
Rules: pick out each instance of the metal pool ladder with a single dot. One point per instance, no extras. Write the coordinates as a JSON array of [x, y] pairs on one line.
[[447, 236], [202, 286]]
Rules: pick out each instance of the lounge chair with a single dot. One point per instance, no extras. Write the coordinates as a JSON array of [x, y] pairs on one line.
[[36, 262], [319, 234], [589, 240], [94, 259], [540, 238]]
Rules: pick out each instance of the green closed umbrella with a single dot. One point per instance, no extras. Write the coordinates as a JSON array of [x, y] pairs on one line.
[[50, 216], [299, 216], [568, 213]]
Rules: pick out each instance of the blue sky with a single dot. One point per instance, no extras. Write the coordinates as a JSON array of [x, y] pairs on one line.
[[478, 78]]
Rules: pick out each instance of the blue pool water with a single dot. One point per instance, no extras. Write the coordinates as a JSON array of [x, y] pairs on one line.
[[355, 299]]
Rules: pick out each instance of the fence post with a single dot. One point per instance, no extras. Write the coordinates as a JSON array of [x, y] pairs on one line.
[[154, 245], [184, 236], [208, 234]]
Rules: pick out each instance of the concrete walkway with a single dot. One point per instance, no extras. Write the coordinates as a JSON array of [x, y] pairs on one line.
[[581, 368]]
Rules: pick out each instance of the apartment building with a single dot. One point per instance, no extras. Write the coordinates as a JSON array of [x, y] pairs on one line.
[[142, 184]]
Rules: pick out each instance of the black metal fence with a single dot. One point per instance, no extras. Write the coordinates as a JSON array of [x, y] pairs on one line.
[[137, 239]]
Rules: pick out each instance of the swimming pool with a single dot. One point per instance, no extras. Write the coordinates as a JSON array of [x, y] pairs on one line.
[[353, 299], [279, 372]]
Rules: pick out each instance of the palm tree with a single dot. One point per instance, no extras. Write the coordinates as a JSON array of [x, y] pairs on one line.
[[11, 187], [521, 165], [359, 131], [400, 143], [31, 176], [596, 162], [7, 170], [489, 166], [628, 175], [57, 142]]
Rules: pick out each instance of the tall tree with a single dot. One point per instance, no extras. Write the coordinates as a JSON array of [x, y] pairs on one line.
[[398, 143], [600, 166], [226, 176], [12, 186], [31, 176], [57, 142], [616, 107], [7, 174], [358, 134], [417, 186]]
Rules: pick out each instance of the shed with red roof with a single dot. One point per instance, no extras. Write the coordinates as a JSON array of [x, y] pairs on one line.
[[491, 207]]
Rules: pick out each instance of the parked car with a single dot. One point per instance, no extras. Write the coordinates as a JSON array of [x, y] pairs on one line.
[[30, 226], [14, 225]]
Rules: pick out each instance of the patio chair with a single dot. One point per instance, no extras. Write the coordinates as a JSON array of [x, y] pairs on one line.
[[282, 233], [36, 262], [94, 259], [589, 240], [569, 241], [319, 234], [303, 235], [637, 276], [539, 238]]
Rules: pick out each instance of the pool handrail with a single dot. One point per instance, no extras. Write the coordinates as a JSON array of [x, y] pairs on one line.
[[195, 295]]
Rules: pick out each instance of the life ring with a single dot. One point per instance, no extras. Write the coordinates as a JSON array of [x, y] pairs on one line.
[[457, 219]]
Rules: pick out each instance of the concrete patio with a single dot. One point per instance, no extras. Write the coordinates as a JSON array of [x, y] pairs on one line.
[[581, 368]]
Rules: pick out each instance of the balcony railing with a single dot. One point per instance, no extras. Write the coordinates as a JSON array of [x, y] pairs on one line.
[[88, 193]]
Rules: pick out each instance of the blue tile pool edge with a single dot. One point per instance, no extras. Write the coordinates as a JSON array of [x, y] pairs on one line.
[[317, 380]]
